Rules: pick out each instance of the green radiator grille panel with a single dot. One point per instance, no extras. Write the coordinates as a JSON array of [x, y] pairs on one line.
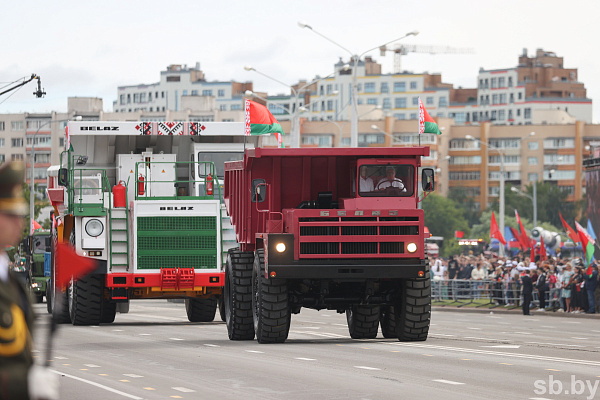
[[176, 223], [177, 242]]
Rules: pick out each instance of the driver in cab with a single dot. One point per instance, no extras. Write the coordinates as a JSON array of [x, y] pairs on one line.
[[390, 180]]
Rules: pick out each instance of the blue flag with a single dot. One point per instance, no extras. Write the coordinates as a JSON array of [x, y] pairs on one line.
[[590, 230]]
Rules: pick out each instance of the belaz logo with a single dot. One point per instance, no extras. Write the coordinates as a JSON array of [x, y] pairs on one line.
[[99, 128], [176, 208]]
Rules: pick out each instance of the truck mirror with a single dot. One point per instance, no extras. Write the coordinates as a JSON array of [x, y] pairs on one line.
[[259, 188], [428, 180], [63, 177]]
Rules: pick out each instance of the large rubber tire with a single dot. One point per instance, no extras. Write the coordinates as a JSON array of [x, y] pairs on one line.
[[387, 320], [363, 321], [237, 295], [221, 307], [270, 306], [413, 313], [109, 311], [85, 300], [201, 310]]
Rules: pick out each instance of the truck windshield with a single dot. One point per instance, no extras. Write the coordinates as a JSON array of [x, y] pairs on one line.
[[39, 244], [386, 180]]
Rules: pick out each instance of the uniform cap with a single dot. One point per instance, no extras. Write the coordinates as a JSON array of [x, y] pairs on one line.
[[12, 176]]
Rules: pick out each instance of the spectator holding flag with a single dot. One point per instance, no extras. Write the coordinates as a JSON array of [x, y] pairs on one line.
[[591, 284]]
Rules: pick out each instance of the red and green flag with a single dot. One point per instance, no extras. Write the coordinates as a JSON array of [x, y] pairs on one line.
[[260, 121], [588, 247], [426, 123]]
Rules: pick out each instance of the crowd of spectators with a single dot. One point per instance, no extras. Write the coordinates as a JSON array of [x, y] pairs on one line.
[[562, 285]]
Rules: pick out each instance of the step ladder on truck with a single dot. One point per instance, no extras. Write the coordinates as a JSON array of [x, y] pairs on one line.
[[135, 197]]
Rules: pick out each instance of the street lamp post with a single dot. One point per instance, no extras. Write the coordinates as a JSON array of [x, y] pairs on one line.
[[295, 131], [32, 162], [355, 59], [533, 199]]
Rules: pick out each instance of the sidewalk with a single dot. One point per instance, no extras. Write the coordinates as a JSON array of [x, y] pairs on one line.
[[512, 310]]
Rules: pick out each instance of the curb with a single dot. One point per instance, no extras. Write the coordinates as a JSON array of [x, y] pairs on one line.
[[516, 311]]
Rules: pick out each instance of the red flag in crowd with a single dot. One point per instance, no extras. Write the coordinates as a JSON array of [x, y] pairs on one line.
[[588, 247], [543, 256], [459, 234], [495, 231], [516, 236], [570, 231], [523, 238]]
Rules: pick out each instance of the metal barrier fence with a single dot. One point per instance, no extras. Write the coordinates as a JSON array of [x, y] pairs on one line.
[[487, 293]]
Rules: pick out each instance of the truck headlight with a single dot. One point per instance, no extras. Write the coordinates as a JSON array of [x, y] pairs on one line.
[[411, 247], [94, 227], [280, 247]]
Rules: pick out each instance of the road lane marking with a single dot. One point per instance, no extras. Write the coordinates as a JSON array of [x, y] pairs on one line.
[[306, 359], [183, 389], [149, 388], [61, 358], [255, 351], [440, 334], [211, 345], [475, 329], [448, 382], [321, 334], [504, 346], [498, 353], [428, 355], [174, 338], [133, 375], [117, 330], [367, 368], [145, 334], [92, 365], [580, 338], [505, 364], [98, 385], [550, 369]]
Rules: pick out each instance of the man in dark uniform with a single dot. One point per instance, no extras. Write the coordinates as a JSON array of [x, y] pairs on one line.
[[19, 378], [527, 290]]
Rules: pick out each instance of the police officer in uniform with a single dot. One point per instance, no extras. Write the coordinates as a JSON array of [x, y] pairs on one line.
[[19, 378]]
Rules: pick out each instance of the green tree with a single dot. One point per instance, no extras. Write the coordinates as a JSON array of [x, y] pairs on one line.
[[443, 216], [466, 203]]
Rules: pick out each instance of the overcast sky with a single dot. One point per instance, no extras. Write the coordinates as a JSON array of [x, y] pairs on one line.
[[89, 48]]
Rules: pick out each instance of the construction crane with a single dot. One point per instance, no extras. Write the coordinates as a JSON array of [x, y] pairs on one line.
[[38, 93], [404, 49]]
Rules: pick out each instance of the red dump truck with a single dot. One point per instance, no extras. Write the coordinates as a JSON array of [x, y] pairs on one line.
[[337, 229]]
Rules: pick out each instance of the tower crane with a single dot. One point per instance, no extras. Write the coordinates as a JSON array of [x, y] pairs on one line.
[[404, 49]]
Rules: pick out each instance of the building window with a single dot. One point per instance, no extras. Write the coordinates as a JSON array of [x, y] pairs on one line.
[[207, 92], [234, 107], [40, 140], [16, 125], [2, 142], [465, 144], [510, 81], [558, 175], [413, 115], [558, 159], [533, 145], [2, 158], [527, 113], [372, 101], [494, 83], [369, 87], [319, 140], [175, 78], [384, 87], [413, 85], [16, 157], [387, 103], [122, 99], [221, 93], [401, 116], [464, 176], [16, 142], [371, 138], [400, 102], [501, 82], [43, 158], [532, 160], [330, 105], [501, 115], [399, 86], [429, 100], [136, 97], [464, 160], [532, 177], [443, 102]]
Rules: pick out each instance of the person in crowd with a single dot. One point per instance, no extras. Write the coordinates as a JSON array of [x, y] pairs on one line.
[[591, 284], [527, 286], [478, 274], [554, 289], [541, 284], [566, 281], [19, 377], [438, 274], [365, 182], [578, 295]]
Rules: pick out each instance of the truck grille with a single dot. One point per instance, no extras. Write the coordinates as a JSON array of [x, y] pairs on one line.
[[356, 237], [177, 242]]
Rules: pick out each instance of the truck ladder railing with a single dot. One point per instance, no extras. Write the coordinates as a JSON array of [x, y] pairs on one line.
[[122, 215]]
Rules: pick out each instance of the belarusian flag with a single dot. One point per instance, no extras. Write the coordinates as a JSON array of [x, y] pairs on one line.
[[260, 121], [426, 123], [524, 239], [588, 247], [570, 231]]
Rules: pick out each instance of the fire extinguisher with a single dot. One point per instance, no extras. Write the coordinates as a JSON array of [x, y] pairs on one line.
[[209, 185], [141, 185]]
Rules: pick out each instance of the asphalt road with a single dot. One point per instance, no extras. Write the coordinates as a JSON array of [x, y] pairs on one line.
[[153, 352]]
